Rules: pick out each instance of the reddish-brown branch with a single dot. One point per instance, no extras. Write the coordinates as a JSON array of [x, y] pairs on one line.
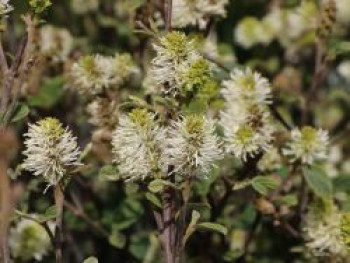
[[59, 200]]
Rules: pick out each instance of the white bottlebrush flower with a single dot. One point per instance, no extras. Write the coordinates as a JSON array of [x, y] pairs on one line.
[[81, 7], [102, 112], [246, 131], [322, 231], [248, 32], [137, 143], [173, 51], [343, 11], [344, 70], [246, 120], [196, 12], [91, 74], [51, 151], [123, 68], [56, 43], [197, 74], [5, 7], [29, 240], [271, 161], [192, 146], [247, 85], [307, 145], [299, 21]]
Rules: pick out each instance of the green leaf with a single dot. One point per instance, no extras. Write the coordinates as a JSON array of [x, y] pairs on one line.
[[153, 199], [318, 181], [214, 227], [109, 173], [262, 184], [156, 186], [342, 183], [117, 239], [50, 213], [191, 227], [49, 94], [289, 200], [91, 260], [21, 112], [123, 224]]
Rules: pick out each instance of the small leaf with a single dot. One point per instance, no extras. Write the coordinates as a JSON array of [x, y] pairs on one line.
[[214, 227], [153, 199], [318, 181], [123, 224], [117, 239], [49, 95], [50, 212], [342, 183], [290, 200], [262, 184], [191, 227], [109, 173], [21, 112], [91, 260], [156, 186]]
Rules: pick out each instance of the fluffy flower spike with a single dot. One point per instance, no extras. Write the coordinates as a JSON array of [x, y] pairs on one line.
[[192, 146], [322, 230], [307, 145], [137, 144], [29, 240], [193, 12], [5, 7], [51, 151]]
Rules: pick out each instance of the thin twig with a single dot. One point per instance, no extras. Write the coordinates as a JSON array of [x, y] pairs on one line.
[[59, 200], [3, 61], [168, 8], [79, 212], [279, 117], [217, 63]]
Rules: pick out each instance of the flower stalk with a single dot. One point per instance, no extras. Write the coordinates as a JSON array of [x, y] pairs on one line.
[[59, 201]]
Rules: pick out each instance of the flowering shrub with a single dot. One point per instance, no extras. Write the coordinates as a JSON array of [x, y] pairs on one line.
[[147, 130]]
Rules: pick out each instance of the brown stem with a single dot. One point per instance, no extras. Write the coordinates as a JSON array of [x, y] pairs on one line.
[[168, 6], [320, 67], [5, 211], [59, 200], [3, 61], [168, 235]]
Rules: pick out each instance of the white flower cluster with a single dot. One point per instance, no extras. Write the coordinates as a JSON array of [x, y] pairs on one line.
[[196, 12], [344, 70], [246, 120], [143, 148], [271, 161], [29, 240], [5, 7], [307, 145], [178, 65], [343, 11], [102, 112], [251, 31], [56, 43], [192, 146], [82, 7], [137, 145], [322, 231], [51, 151], [92, 74]]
